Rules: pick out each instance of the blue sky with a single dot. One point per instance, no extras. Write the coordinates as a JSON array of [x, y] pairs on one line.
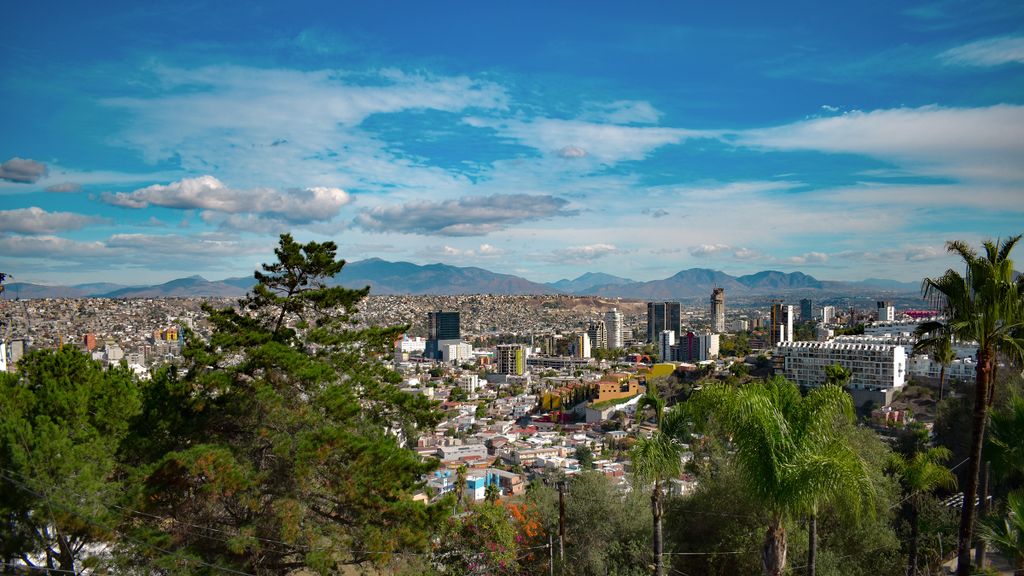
[[147, 141]]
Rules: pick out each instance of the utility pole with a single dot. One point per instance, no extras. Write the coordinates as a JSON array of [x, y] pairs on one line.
[[561, 521], [551, 555]]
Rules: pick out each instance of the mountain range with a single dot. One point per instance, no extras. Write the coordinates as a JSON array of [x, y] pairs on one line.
[[385, 277]]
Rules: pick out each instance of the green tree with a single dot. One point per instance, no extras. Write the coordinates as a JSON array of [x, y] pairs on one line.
[[1004, 446], [921, 474], [836, 375], [1007, 533], [790, 453], [658, 459], [62, 420], [284, 431], [492, 493], [984, 305], [585, 456], [940, 349], [460, 486], [482, 541]]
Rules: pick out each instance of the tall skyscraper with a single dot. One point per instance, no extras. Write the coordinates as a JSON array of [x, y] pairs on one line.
[[781, 328], [663, 316], [598, 334], [613, 328], [440, 326], [718, 310], [806, 310]]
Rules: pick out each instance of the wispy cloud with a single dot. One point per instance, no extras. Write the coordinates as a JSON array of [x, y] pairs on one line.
[[263, 125], [65, 187], [605, 142], [467, 216], [979, 143], [987, 52], [35, 220], [622, 112]]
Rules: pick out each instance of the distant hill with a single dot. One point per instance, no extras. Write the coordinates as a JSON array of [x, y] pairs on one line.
[[29, 291], [386, 277], [588, 281], [97, 288], [692, 283], [889, 285], [775, 280], [193, 286]]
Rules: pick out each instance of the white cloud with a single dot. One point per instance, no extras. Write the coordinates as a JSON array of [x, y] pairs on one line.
[[466, 216], [924, 253], [979, 143], [48, 246], [987, 52], [747, 254], [587, 253], [808, 258], [570, 152], [22, 170], [35, 220], [209, 193], [709, 249]]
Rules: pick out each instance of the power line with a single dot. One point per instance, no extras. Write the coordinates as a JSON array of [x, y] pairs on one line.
[[94, 522]]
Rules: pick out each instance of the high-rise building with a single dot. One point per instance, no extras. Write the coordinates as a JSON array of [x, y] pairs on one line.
[[886, 311], [666, 340], [440, 326], [613, 328], [781, 327], [510, 359], [663, 316], [806, 310], [598, 334], [718, 310], [580, 346], [828, 314]]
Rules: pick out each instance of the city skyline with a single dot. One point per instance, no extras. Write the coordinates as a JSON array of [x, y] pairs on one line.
[[148, 143]]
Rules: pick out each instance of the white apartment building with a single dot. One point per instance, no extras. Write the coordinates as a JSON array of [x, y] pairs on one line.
[[613, 328], [828, 314], [666, 340], [873, 366]]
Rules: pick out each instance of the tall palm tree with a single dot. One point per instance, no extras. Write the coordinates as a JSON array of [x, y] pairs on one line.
[[939, 347], [460, 486], [791, 453], [921, 474], [658, 459], [984, 305]]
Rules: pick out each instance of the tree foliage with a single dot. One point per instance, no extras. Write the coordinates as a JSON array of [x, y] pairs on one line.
[[283, 434], [62, 420], [789, 451], [985, 305]]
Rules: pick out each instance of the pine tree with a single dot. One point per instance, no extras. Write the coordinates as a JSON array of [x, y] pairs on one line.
[[282, 444]]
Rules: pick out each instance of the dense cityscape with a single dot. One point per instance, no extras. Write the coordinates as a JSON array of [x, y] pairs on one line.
[[529, 288]]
